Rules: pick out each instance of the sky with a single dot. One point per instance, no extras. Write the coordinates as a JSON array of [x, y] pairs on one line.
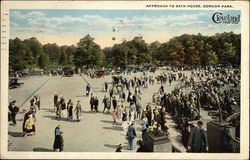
[[67, 27]]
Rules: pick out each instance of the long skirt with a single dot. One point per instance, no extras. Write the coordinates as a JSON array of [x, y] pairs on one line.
[[57, 142], [64, 113], [70, 113], [125, 125], [30, 130]]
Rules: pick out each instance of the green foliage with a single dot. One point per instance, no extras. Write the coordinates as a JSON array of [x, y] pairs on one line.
[[222, 48], [43, 60], [20, 55], [88, 54]]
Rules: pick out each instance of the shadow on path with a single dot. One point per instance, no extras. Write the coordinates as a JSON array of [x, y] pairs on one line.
[[42, 150], [81, 95], [48, 110], [19, 119], [106, 121], [15, 134], [89, 112], [115, 128], [110, 145], [60, 119]]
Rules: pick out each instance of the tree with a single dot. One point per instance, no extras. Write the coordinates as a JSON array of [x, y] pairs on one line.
[[153, 51], [20, 56], [70, 54], [43, 60], [88, 53], [208, 56], [63, 58], [53, 52], [222, 48], [36, 48]]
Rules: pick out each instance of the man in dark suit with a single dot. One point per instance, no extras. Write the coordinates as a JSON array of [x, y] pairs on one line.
[[197, 141], [96, 103], [87, 89], [13, 110]]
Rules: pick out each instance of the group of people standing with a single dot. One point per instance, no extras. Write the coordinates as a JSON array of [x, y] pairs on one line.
[[65, 110]]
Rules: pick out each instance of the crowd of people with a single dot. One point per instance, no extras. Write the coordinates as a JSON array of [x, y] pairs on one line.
[[203, 89], [66, 110]]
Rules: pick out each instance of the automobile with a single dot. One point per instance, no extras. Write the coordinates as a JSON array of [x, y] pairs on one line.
[[139, 69], [117, 72], [69, 73], [98, 74], [152, 69], [109, 71], [12, 73], [13, 83], [23, 74]]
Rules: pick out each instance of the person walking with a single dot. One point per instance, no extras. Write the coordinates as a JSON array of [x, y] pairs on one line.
[[131, 135], [38, 101], [124, 119], [114, 102], [108, 103], [33, 103], [197, 141], [106, 86], [92, 99], [185, 135], [87, 89], [149, 114], [26, 116], [55, 100], [119, 113], [144, 124], [138, 110], [13, 111], [78, 111], [64, 112], [96, 103], [58, 110], [29, 126], [58, 142], [104, 101], [70, 109]]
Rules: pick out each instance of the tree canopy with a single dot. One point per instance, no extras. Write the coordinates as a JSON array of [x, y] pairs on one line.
[[221, 48]]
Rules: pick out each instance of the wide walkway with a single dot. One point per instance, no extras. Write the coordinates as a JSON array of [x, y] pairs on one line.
[[95, 133]]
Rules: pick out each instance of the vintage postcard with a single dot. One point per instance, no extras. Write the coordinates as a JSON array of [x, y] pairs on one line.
[[89, 79]]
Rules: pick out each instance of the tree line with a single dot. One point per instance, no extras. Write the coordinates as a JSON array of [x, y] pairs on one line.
[[185, 50]]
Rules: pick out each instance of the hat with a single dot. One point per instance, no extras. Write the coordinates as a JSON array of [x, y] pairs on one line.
[[13, 101], [166, 127], [200, 123], [120, 145], [156, 112], [150, 128], [133, 121]]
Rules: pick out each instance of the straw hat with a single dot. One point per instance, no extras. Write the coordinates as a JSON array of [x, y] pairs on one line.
[[120, 145]]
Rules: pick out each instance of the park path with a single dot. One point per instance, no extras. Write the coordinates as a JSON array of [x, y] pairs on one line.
[[95, 133]]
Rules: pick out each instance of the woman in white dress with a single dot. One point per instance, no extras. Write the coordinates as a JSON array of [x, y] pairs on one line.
[[119, 114], [78, 111]]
